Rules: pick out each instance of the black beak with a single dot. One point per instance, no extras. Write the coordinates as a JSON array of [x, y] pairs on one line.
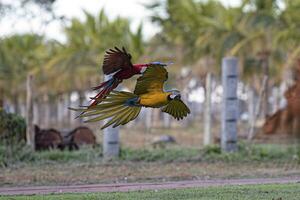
[[178, 97]]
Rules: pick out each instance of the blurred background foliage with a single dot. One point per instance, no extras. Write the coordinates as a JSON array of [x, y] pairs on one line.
[[191, 31]]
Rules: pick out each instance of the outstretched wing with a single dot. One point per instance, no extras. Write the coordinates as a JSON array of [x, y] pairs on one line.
[[152, 80], [177, 109], [116, 59]]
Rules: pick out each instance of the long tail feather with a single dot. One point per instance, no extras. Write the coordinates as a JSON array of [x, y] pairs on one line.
[[107, 87], [100, 86], [115, 107]]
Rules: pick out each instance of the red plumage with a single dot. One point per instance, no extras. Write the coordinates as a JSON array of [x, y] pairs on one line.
[[118, 64]]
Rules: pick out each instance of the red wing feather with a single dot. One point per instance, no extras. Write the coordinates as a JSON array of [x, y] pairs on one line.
[[116, 59], [105, 88]]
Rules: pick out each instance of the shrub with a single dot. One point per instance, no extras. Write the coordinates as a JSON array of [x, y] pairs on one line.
[[12, 138], [12, 127]]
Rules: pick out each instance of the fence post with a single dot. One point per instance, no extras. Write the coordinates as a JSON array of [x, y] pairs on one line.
[[29, 112], [207, 112], [229, 104], [111, 146]]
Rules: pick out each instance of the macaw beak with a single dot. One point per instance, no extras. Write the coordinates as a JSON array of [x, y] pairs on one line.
[[175, 96], [178, 97]]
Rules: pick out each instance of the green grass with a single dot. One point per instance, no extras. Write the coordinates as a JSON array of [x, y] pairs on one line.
[[253, 153], [165, 155], [250, 192], [246, 153]]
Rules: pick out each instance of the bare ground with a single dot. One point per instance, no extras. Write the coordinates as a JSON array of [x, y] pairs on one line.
[[124, 187], [123, 172]]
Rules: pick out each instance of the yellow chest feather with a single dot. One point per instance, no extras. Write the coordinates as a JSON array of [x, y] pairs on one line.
[[154, 100]]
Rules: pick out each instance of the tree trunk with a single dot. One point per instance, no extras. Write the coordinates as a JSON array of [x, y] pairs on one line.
[[275, 95], [16, 104], [29, 114], [257, 109], [207, 139], [36, 114], [46, 114], [1, 98], [68, 101], [156, 118], [265, 65], [81, 101], [166, 120], [251, 104], [148, 119], [60, 110]]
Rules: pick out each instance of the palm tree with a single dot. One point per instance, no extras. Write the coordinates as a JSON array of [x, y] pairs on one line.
[[19, 54], [210, 30], [287, 38], [79, 59]]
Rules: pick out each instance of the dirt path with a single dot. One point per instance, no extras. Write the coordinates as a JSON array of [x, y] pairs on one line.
[[140, 186]]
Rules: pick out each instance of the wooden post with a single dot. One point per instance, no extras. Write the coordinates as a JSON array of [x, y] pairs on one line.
[[207, 139], [229, 104], [29, 112], [111, 146]]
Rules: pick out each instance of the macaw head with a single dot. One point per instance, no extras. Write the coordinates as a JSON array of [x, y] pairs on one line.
[[174, 94]]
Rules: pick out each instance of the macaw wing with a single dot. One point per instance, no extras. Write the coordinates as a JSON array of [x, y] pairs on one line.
[[116, 59], [152, 80], [177, 109]]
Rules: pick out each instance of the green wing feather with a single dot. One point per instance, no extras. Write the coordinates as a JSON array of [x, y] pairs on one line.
[[113, 107], [152, 80], [177, 109]]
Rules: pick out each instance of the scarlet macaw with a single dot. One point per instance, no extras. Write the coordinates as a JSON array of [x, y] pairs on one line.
[[118, 64], [122, 107]]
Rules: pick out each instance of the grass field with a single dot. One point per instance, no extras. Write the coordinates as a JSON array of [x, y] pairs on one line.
[[140, 165], [249, 192]]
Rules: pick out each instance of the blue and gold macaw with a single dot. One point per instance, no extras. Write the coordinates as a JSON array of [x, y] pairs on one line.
[[122, 107]]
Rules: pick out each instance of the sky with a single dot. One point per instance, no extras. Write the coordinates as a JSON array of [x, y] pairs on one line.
[[132, 9]]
